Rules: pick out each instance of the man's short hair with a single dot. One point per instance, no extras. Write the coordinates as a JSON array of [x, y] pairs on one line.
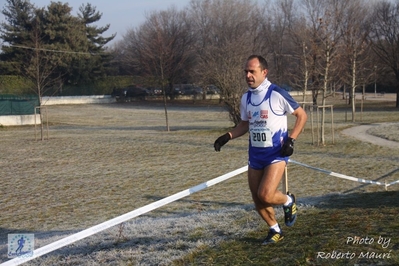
[[262, 61]]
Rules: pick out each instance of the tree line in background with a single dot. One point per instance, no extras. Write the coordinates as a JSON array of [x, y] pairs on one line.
[[51, 48], [311, 45]]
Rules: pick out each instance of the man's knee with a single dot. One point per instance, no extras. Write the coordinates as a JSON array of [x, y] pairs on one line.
[[266, 197]]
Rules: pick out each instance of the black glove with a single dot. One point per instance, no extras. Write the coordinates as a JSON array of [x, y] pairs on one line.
[[288, 147], [221, 141]]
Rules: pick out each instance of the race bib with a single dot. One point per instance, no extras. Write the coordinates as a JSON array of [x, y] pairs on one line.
[[261, 137]]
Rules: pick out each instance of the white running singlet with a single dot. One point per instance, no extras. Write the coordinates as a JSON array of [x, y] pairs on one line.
[[265, 108]]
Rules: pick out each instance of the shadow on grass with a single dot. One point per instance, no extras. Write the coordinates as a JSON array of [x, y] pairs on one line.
[[378, 179], [351, 229], [360, 200]]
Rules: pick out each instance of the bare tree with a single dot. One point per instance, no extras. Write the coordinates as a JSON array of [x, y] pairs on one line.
[[355, 31], [227, 33], [41, 58], [313, 11], [279, 20], [161, 48], [39, 67], [324, 20], [299, 69], [385, 37], [40, 64]]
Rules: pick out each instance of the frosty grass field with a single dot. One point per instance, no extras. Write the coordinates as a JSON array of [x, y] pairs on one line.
[[102, 161]]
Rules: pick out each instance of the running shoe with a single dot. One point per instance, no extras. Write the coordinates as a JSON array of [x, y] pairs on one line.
[[273, 237], [290, 211]]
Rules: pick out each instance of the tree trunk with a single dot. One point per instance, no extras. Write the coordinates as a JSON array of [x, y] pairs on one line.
[[164, 98], [305, 85], [325, 87], [397, 97], [353, 98]]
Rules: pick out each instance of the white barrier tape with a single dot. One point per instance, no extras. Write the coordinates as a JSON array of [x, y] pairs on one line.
[[393, 183], [344, 176], [120, 219]]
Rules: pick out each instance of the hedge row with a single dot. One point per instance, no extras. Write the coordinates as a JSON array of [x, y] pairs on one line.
[[15, 85]]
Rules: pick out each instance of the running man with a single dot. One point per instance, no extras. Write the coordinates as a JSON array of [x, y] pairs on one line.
[[263, 114], [21, 243]]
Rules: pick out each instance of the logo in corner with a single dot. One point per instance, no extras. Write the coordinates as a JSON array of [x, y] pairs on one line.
[[20, 245]]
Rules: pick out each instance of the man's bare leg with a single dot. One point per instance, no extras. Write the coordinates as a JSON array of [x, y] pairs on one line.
[[263, 185]]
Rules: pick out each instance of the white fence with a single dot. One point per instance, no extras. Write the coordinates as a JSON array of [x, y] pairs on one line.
[[19, 120]]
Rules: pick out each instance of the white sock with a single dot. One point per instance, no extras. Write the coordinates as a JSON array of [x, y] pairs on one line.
[[288, 202], [276, 228]]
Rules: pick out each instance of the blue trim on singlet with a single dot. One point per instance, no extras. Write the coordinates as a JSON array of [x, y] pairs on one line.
[[287, 97], [279, 90], [294, 105], [259, 158], [267, 96]]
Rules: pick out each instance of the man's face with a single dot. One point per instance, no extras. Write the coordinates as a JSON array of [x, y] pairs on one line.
[[254, 75]]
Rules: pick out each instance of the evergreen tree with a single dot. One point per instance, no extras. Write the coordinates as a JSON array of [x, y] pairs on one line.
[[90, 68], [51, 47], [15, 31]]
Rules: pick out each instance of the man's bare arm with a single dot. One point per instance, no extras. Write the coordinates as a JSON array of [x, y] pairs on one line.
[[239, 130], [300, 122]]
